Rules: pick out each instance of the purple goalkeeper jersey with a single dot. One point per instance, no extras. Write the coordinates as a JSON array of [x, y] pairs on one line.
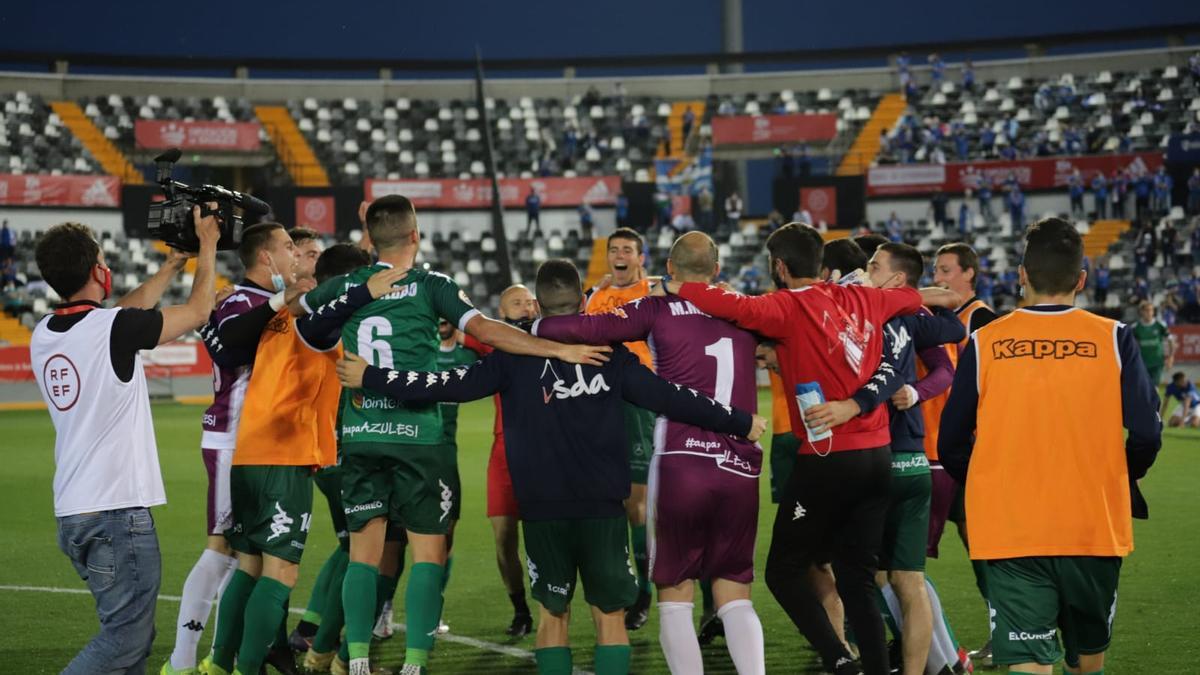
[[231, 369], [690, 349]]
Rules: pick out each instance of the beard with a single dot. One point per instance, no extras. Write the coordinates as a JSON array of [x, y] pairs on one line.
[[780, 285]]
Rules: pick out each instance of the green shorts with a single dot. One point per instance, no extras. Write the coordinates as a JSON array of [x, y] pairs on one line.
[[639, 429], [595, 550], [1032, 599], [906, 530], [783, 459], [1155, 372], [329, 482], [416, 485], [272, 510]]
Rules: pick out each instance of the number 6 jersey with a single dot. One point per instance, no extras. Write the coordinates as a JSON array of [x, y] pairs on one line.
[[397, 331]]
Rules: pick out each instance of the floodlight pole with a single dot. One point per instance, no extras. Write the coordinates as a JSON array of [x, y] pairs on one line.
[[490, 157]]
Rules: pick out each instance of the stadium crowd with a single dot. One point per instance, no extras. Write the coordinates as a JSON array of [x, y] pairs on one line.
[[625, 447]]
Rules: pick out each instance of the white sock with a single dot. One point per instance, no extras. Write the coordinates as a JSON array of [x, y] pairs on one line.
[[199, 591], [942, 651], [743, 637], [677, 634], [232, 567]]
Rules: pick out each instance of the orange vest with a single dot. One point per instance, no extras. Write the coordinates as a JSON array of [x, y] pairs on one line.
[[781, 422], [931, 409], [608, 299], [1048, 475], [290, 412], [964, 315]]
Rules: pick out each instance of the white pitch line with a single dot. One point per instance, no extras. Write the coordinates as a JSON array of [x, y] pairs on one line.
[[506, 650]]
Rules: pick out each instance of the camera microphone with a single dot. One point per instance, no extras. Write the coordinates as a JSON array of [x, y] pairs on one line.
[[171, 156]]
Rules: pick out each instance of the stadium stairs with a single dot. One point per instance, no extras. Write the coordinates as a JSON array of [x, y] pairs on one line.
[[13, 331], [294, 152], [112, 160], [1102, 235], [598, 264], [865, 149], [675, 124]]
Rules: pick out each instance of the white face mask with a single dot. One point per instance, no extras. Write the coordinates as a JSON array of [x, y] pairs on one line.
[[276, 278]]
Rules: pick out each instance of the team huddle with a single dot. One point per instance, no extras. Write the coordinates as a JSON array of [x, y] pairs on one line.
[[626, 448]]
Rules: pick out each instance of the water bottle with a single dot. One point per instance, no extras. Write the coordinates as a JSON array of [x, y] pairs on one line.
[[809, 394]]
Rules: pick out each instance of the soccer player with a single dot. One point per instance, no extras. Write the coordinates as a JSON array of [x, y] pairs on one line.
[[1154, 340], [519, 308], [1183, 390], [626, 265], [394, 467], [703, 510], [1076, 383], [231, 338], [956, 267], [835, 502], [569, 468], [288, 432], [308, 250], [86, 362]]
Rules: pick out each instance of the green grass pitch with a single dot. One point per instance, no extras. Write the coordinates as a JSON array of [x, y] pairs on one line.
[[40, 630]]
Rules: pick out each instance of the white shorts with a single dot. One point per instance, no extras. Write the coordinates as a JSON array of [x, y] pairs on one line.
[[220, 505], [1184, 415]]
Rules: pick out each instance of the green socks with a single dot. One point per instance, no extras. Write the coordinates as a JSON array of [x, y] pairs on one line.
[[706, 594], [640, 559], [553, 660], [980, 569], [358, 601], [230, 617], [265, 613], [318, 602], [330, 630], [446, 574], [422, 608], [612, 659]]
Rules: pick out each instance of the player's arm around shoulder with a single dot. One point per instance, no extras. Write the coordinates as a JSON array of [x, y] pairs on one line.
[[506, 338], [460, 384], [767, 315]]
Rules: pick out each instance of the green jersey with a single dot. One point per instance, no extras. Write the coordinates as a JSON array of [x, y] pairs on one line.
[[397, 331], [1150, 337], [447, 359]]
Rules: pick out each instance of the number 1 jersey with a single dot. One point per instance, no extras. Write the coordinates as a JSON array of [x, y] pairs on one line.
[[397, 331]]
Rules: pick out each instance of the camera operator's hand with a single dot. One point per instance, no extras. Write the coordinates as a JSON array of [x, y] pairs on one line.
[[298, 289], [382, 282], [176, 259], [208, 228], [350, 370]]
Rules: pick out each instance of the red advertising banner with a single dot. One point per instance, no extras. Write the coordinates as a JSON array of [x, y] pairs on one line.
[[1187, 343], [162, 134], [476, 193], [1043, 173], [48, 190], [315, 213], [175, 359], [821, 203], [758, 129]]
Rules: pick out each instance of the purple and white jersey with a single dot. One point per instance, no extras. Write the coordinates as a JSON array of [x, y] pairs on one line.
[[231, 369], [690, 349]]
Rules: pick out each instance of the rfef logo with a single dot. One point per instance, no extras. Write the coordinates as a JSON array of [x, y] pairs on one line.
[[1042, 349], [60, 379]]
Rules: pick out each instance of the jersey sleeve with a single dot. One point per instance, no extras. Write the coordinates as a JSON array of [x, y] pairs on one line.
[[461, 384], [132, 330], [1139, 406], [641, 387], [885, 381], [940, 328], [766, 315], [471, 342], [321, 329], [450, 302], [939, 372], [323, 293], [628, 323], [895, 301]]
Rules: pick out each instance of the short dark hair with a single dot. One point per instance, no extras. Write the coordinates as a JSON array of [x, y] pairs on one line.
[[300, 234], [254, 239], [1053, 256], [65, 257], [559, 289], [799, 246], [906, 259], [844, 256], [968, 259], [389, 220], [340, 259], [1179, 376], [869, 242], [628, 233]]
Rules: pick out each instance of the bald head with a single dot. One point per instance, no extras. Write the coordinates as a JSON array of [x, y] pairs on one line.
[[517, 304], [693, 257]]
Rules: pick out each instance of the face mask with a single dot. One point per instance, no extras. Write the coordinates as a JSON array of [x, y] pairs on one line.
[[105, 280], [277, 282], [524, 324]]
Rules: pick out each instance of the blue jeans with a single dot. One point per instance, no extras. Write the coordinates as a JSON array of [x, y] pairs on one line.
[[116, 553]]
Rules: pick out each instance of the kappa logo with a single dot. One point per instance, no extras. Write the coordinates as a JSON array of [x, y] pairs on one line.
[[1041, 349], [447, 500], [410, 378], [799, 512], [461, 373], [194, 626], [533, 572], [900, 339], [430, 379], [392, 376], [281, 522]]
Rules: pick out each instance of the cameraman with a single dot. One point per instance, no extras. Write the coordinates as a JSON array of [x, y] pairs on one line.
[[86, 362]]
